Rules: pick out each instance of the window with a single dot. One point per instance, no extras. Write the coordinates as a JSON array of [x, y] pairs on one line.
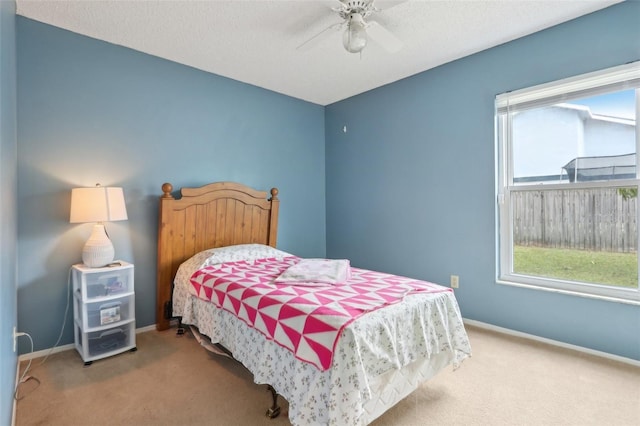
[[567, 185]]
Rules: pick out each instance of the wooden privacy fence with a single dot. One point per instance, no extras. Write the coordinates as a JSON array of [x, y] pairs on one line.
[[598, 219]]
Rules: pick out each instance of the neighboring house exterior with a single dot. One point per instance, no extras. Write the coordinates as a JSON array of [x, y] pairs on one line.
[[548, 139]]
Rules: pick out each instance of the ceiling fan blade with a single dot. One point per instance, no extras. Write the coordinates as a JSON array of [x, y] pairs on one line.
[[384, 37], [387, 4], [339, 6], [316, 39]]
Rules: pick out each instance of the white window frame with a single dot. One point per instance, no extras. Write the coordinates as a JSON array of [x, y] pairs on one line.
[[613, 79]]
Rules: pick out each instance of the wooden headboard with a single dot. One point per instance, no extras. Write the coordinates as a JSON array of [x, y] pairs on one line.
[[215, 215]]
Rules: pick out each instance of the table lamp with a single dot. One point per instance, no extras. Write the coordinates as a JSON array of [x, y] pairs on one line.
[[98, 204]]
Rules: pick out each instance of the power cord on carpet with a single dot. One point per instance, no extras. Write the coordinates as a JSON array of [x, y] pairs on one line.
[[24, 377]]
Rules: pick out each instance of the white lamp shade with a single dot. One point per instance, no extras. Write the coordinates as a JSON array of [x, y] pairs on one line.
[[98, 204]]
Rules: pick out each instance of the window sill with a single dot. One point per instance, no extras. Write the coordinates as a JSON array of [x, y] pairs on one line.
[[613, 299]]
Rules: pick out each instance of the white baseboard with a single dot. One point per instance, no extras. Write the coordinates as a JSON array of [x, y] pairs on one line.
[[45, 352], [145, 329], [510, 332], [474, 323]]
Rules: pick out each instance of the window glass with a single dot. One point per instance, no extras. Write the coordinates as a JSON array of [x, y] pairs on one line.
[[583, 235], [586, 139]]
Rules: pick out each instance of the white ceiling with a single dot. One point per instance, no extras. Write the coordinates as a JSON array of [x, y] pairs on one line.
[[255, 41]]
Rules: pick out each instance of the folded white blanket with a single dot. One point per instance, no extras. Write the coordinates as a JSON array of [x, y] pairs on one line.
[[317, 271]]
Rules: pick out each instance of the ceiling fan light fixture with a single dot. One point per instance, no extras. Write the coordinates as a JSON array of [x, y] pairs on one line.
[[355, 38]]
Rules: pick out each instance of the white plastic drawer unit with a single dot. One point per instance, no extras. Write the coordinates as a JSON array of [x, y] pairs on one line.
[[103, 310]]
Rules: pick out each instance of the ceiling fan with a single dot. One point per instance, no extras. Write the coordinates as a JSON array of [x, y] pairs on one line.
[[358, 28]]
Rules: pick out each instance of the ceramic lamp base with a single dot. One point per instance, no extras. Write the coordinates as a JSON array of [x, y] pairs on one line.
[[98, 251]]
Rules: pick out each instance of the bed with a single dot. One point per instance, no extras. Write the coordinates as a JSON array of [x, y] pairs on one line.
[[375, 362]]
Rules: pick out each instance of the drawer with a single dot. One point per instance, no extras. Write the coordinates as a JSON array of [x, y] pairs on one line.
[[105, 312], [108, 284], [106, 342]]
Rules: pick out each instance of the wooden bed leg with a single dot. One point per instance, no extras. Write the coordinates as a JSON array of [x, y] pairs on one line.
[[274, 411]]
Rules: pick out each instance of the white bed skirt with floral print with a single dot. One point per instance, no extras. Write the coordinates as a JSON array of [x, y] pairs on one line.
[[376, 356]]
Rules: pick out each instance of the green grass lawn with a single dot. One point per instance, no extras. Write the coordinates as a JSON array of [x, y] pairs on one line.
[[619, 269]]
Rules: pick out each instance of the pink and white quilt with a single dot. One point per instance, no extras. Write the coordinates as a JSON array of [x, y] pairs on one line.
[[307, 320]]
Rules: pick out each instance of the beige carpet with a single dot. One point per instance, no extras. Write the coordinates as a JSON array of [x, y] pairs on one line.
[[172, 381]]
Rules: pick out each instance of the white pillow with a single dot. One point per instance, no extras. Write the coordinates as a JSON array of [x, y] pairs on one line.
[[240, 252], [218, 255]]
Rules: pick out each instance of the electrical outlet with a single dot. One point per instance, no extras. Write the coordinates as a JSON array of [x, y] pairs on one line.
[[455, 281], [16, 334]]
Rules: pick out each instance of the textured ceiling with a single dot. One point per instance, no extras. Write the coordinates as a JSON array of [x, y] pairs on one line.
[[256, 41]]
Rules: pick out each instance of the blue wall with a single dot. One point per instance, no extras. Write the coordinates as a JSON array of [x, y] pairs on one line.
[[93, 112], [8, 209], [411, 187], [90, 112]]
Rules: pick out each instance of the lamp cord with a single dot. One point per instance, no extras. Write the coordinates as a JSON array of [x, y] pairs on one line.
[[24, 377], [64, 321]]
